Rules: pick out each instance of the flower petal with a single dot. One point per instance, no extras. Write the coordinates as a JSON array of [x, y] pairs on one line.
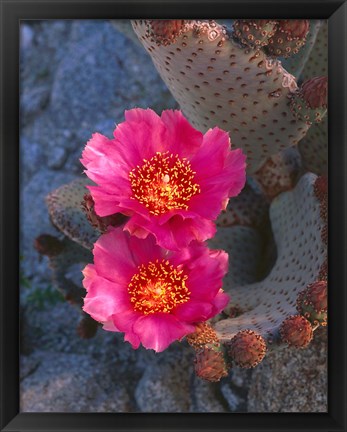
[[220, 302], [113, 257], [104, 299], [184, 139], [175, 234], [124, 322], [158, 331], [194, 311]]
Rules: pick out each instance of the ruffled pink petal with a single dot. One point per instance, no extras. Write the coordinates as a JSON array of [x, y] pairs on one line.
[[98, 146], [105, 203], [124, 322], [210, 159], [183, 138], [205, 278], [231, 179], [194, 311], [133, 206], [105, 298], [104, 162], [158, 331], [219, 303], [109, 326], [113, 257], [145, 250], [216, 190], [89, 272], [175, 234], [140, 136]]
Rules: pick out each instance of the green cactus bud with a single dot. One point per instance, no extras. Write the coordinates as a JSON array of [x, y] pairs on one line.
[[203, 335], [254, 33], [310, 102], [312, 303], [289, 37]]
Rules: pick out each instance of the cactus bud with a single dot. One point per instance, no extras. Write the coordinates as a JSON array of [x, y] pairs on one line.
[[87, 327], [165, 32], [254, 33], [310, 102], [247, 349], [313, 302], [49, 245], [203, 335], [101, 223], [289, 37], [296, 331], [210, 365]]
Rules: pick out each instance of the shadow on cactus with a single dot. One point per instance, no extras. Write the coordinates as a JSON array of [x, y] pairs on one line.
[[274, 230]]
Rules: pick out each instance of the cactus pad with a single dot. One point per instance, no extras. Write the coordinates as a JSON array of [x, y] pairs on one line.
[[65, 209], [289, 37], [279, 173], [301, 253], [219, 82], [314, 148]]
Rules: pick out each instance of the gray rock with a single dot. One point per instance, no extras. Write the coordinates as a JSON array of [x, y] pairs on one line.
[[292, 380], [57, 158], [234, 389], [26, 36], [72, 383], [32, 156], [207, 397], [86, 80], [33, 101], [165, 386]]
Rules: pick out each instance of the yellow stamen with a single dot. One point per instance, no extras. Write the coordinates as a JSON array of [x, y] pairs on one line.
[[164, 182], [158, 287]]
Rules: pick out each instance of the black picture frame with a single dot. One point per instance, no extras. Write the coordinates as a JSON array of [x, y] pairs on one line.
[[12, 11]]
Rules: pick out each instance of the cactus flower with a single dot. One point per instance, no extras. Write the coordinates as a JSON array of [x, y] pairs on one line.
[[169, 178], [152, 295]]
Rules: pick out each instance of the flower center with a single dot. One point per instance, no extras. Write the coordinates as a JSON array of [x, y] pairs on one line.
[[164, 182], [158, 287]]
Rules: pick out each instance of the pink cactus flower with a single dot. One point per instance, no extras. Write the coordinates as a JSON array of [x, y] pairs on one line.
[[152, 295], [171, 180]]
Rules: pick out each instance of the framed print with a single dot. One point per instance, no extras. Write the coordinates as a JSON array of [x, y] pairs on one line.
[[169, 172]]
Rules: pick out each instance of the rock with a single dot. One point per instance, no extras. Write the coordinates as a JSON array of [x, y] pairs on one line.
[[31, 157], [28, 365], [26, 36], [234, 389], [85, 82], [292, 380], [165, 385], [57, 158], [207, 397], [72, 383], [33, 101]]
